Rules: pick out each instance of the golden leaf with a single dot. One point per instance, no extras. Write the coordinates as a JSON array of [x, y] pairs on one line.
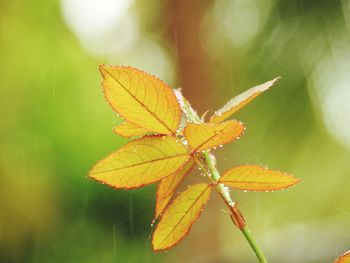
[[141, 162], [179, 217], [208, 135], [240, 101], [127, 129], [257, 178], [141, 99]]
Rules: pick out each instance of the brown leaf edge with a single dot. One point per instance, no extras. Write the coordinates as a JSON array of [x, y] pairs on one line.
[[342, 256]]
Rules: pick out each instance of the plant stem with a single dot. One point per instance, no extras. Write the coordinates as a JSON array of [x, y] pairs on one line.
[[236, 215], [249, 236], [215, 176], [222, 190]]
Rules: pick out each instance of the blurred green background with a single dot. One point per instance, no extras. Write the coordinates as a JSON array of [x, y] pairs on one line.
[[55, 124]]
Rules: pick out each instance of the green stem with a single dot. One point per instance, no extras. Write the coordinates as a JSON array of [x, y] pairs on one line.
[[222, 190], [249, 236], [225, 194], [215, 176]]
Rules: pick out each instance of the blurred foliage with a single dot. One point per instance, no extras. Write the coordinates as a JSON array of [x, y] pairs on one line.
[[55, 124]]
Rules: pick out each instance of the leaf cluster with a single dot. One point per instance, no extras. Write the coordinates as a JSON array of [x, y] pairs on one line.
[[171, 141]]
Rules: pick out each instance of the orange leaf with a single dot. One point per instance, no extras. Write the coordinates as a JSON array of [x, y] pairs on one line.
[[257, 178], [345, 258], [127, 129], [178, 219], [141, 162], [208, 135], [168, 185], [240, 101], [141, 99]]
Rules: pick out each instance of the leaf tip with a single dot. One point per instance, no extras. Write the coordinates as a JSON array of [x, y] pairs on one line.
[[275, 80], [102, 68], [157, 248], [297, 180], [154, 248]]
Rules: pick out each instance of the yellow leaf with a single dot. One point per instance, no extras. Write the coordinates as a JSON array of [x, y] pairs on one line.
[[345, 258], [240, 101], [127, 129], [168, 185], [178, 219], [141, 162], [257, 178], [141, 99], [208, 135]]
